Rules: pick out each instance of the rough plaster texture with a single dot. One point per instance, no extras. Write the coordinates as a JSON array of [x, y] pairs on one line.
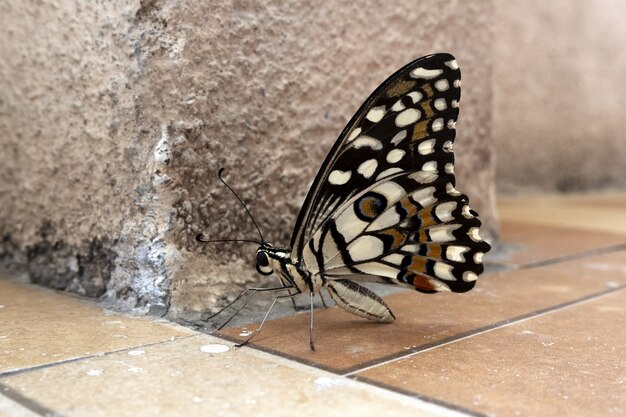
[[115, 117], [559, 119]]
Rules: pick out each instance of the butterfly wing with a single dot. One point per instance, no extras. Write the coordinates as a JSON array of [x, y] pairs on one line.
[[383, 206]]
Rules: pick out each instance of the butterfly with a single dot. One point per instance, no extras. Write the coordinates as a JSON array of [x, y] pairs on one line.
[[384, 207]]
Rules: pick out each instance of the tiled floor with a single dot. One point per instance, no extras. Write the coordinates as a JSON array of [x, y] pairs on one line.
[[542, 334]]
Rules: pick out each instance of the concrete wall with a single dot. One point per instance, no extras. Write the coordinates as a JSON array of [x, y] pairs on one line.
[[115, 117], [559, 118]]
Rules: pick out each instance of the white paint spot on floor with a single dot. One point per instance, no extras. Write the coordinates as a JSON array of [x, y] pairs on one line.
[[196, 400], [135, 370], [214, 348], [112, 322], [120, 336], [324, 382], [136, 352], [4, 337], [1, 305], [94, 372], [245, 333]]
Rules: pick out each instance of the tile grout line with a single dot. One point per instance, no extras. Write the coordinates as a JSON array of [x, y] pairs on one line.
[[40, 409], [27, 402], [450, 406], [574, 256], [80, 358], [495, 326]]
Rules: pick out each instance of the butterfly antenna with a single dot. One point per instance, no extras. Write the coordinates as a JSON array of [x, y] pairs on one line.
[[201, 238], [219, 175]]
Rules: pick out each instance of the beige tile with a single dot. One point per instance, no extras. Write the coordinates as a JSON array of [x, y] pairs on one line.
[[178, 378], [567, 363], [605, 212], [345, 342], [9, 408], [40, 326], [527, 243]]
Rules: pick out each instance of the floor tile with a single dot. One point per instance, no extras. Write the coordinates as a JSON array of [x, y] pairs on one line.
[[566, 363], [9, 408], [591, 212], [527, 244], [345, 343], [39, 327], [196, 377]]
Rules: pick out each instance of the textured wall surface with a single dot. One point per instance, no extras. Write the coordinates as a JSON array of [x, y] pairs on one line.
[[559, 114], [115, 117]]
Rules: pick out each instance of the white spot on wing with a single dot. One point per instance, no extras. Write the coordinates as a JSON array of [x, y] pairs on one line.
[[440, 104], [451, 124], [452, 64], [399, 137], [437, 125], [365, 247], [424, 177], [449, 168], [407, 117], [349, 225], [378, 269], [398, 106], [387, 219], [388, 172], [426, 73], [473, 234], [454, 103], [442, 85], [451, 190], [455, 253], [426, 147], [366, 141], [395, 155], [430, 166], [356, 132], [368, 168], [443, 271], [425, 196], [469, 276], [443, 233], [394, 258], [392, 191], [457, 83], [338, 177], [478, 257], [444, 211], [376, 114], [415, 96], [448, 146]]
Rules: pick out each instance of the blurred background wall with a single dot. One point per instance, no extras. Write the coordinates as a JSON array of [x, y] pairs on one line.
[[559, 109]]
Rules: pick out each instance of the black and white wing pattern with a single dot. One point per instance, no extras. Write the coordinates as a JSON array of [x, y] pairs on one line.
[[384, 204]]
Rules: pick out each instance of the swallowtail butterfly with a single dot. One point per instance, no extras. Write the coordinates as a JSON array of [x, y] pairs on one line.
[[384, 206]]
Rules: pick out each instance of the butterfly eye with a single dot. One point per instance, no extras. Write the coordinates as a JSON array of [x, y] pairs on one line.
[[263, 263]]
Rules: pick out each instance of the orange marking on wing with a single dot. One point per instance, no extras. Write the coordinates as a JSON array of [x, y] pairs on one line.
[[398, 237], [423, 282], [400, 87], [434, 251]]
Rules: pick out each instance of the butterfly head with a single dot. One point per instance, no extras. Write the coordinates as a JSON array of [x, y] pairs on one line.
[[269, 258]]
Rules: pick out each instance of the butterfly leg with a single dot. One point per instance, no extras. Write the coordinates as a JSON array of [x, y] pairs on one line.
[[293, 300], [267, 314], [311, 325], [252, 291], [323, 301]]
